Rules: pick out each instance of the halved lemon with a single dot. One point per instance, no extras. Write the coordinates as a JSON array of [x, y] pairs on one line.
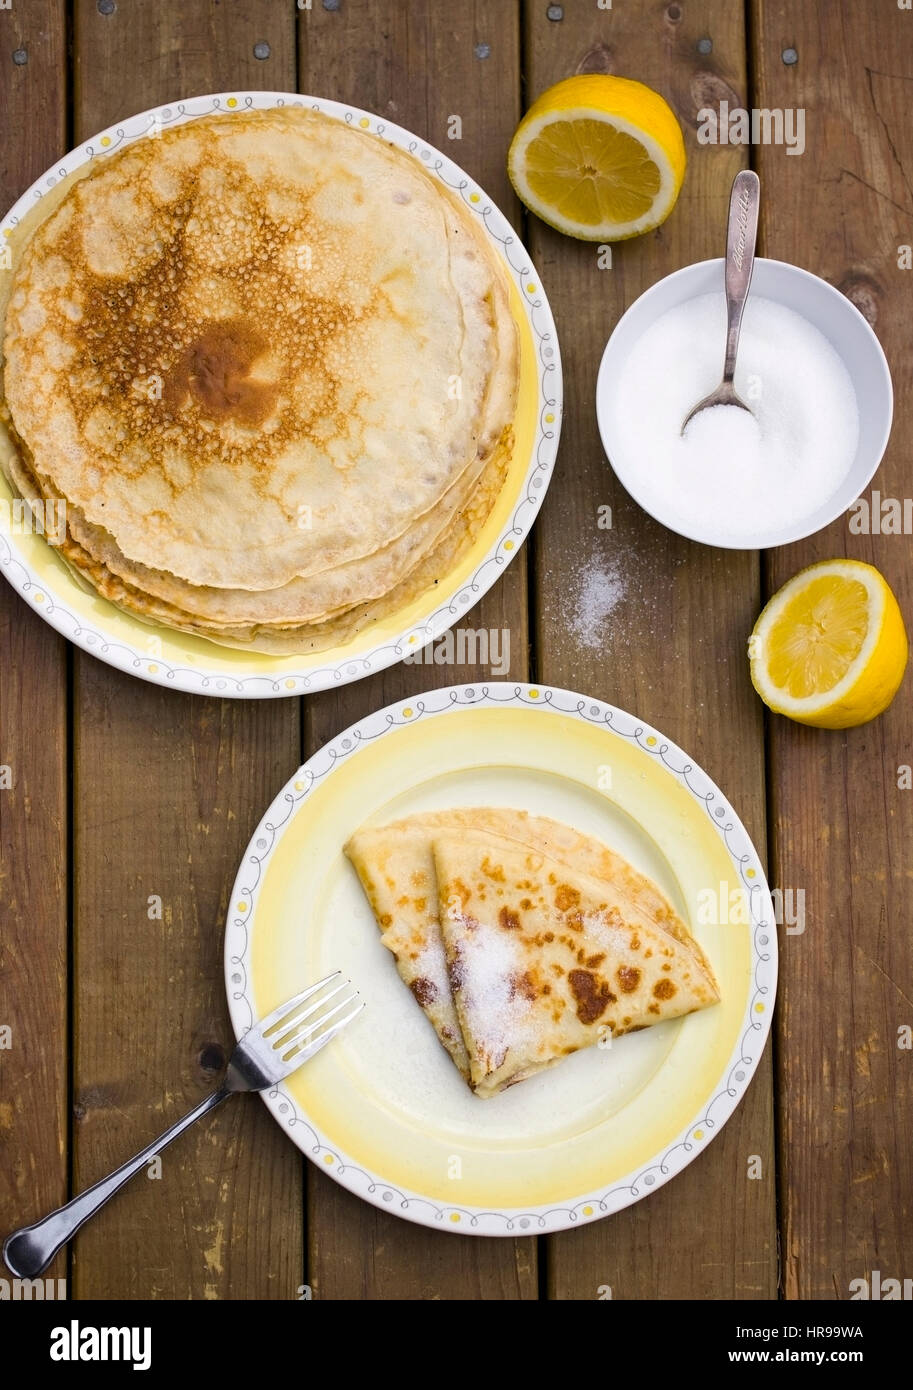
[[600, 158], [830, 648]]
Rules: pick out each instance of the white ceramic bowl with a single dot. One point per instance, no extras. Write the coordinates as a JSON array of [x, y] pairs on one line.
[[818, 302]]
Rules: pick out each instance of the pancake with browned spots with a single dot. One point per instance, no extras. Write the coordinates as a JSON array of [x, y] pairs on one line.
[[266, 359], [544, 961]]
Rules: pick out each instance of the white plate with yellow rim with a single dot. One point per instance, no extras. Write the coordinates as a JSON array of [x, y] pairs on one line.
[[183, 662], [383, 1109]]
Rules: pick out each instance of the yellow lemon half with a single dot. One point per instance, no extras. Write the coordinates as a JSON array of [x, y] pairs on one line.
[[600, 158], [830, 648]]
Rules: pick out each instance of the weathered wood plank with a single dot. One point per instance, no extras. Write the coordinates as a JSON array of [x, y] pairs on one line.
[[144, 52], [168, 789], [418, 64], [33, 736], [841, 828], [675, 616]]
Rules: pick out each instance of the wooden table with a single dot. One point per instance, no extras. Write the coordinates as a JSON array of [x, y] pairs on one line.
[[122, 790]]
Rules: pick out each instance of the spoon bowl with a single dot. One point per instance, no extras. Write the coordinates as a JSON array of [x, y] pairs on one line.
[[725, 394]]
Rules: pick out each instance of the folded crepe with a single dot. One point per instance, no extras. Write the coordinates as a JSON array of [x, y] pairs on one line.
[[397, 869], [544, 960]]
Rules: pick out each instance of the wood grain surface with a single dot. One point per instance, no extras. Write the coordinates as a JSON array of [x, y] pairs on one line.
[[34, 836], [841, 828], [125, 796]]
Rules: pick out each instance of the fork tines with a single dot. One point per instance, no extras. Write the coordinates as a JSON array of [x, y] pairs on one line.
[[303, 1024]]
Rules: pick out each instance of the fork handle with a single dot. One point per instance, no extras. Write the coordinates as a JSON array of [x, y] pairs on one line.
[[29, 1251], [741, 236]]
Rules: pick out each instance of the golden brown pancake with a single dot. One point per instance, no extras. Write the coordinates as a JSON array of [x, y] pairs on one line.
[[335, 628], [268, 362]]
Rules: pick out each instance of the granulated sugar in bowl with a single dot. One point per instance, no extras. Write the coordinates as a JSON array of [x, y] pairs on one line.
[[812, 372]]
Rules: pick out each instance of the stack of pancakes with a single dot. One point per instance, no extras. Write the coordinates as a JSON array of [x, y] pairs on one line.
[[269, 365]]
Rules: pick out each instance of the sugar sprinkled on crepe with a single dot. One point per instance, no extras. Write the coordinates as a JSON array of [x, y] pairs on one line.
[[488, 972], [544, 961]]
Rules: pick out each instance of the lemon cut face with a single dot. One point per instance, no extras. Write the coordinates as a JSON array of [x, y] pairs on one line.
[[600, 158], [830, 649]]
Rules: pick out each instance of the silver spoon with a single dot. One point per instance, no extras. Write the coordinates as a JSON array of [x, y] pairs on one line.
[[744, 201]]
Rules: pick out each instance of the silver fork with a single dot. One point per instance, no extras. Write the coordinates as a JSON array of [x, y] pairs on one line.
[[274, 1047]]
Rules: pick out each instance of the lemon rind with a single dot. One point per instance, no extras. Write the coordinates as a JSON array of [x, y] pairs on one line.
[[779, 700]]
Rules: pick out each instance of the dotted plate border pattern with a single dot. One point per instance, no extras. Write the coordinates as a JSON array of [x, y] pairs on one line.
[[264, 685], [740, 1066]]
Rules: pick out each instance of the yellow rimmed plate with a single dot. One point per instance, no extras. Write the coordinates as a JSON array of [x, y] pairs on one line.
[[383, 1109], [169, 658]]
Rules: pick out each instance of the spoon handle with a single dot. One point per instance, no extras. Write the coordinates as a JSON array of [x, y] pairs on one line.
[[741, 236]]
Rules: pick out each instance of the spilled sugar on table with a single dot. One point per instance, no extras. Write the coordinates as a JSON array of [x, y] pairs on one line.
[[131, 805]]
